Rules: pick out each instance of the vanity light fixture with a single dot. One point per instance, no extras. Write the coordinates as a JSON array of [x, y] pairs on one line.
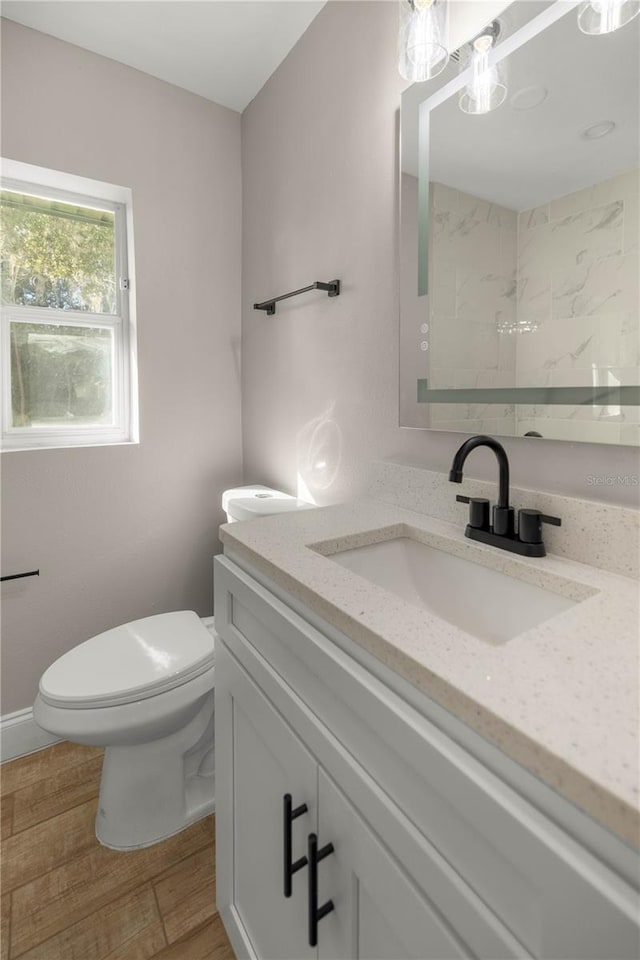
[[596, 17], [486, 89], [423, 39]]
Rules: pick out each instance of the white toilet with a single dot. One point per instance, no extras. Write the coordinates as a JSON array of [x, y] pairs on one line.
[[144, 691]]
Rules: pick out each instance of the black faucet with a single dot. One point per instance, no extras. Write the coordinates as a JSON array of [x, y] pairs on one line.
[[527, 540]]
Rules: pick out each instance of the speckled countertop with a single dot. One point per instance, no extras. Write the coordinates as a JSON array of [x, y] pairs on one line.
[[560, 699]]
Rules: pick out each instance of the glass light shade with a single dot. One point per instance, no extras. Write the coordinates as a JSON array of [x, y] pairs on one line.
[[487, 88], [423, 39], [604, 16]]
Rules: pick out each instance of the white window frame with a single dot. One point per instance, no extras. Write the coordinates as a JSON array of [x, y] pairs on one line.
[[80, 191]]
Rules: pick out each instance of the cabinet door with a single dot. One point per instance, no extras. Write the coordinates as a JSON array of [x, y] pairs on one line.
[[260, 760], [378, 911]]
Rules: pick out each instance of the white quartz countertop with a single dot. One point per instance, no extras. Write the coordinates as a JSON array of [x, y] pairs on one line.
[[560, 699]]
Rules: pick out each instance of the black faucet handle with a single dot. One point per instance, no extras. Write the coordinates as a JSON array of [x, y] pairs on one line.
[[530, 525], [556, 521], [478, 511]]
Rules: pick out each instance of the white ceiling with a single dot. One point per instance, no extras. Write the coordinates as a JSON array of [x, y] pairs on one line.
[[521, 159], [224, 50]]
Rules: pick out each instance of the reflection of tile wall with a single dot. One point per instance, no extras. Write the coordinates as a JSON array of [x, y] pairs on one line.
[[578, 281], [567, 269], [472, 290]]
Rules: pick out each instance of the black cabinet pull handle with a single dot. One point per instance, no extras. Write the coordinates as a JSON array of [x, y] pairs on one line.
[[290, 868], [316, 913]]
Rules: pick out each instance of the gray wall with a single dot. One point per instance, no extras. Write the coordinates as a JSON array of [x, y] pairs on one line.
[[127, 531], [320, 378]]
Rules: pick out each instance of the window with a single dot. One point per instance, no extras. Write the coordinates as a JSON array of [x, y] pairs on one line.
[[68, 317]]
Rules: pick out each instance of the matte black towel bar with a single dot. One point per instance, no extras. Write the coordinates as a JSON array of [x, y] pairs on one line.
[[269, 306], [19, 576]]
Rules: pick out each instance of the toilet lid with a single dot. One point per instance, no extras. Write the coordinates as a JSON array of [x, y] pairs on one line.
[[246, 503], [131, 662]]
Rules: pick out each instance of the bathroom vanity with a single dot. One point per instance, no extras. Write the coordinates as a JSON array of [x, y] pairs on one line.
[[419, 792]]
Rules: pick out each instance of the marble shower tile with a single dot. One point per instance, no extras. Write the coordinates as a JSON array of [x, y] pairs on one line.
[[491, 213], [465, 346], [505, 427], [466, 379], [476, 244], [508, 264], [443, 290], [508, 219], [473, 207], [507, 346], [577, 343], [607, 340], [559, 411], [448, 412], [630, 415], [442, 379], [596, 431], [535, 252], [459, 426], [535, 217], [630, 376], [441, 226], [557, 429], [630, 340], [526, 411], [587, 236], [496, 378], [607, 191], [603, 286], [443, 198], [485, 298], [492, 411], [573, 377], [631, 225], [534, 298], [485, 346], [533, 378], [523, 423], [561, 344]]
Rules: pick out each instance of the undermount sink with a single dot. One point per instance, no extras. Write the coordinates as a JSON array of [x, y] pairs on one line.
[[490, 605]]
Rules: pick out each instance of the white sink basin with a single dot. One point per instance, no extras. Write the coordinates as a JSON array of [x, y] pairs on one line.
[[489, 605]]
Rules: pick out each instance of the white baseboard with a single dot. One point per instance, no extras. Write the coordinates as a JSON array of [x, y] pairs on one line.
[[20, 735]]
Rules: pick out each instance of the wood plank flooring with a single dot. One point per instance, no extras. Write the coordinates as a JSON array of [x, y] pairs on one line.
[[65, 897]]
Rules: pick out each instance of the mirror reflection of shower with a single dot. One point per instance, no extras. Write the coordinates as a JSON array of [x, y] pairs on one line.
[[519, 238]]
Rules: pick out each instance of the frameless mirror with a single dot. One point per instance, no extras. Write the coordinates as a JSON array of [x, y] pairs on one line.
[[519, 239]]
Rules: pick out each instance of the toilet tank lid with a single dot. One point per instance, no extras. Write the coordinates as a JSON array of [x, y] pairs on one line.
[[130, 662], [245, 503]]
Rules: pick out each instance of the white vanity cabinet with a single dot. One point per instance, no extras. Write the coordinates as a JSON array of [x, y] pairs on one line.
[[264, 761], [433, 856], [377, 910]]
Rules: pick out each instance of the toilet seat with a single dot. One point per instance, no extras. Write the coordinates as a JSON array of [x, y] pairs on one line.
[[131, 662]]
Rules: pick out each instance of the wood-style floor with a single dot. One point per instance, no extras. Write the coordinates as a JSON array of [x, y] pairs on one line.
[[65, 897]]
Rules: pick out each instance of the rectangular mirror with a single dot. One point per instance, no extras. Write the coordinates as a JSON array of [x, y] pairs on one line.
[[519, 238]]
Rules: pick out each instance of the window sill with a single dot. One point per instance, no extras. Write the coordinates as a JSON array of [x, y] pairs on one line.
[[47, 445]]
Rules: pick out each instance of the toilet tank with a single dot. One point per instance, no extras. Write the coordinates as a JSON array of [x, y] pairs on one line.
[[247, 503]]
